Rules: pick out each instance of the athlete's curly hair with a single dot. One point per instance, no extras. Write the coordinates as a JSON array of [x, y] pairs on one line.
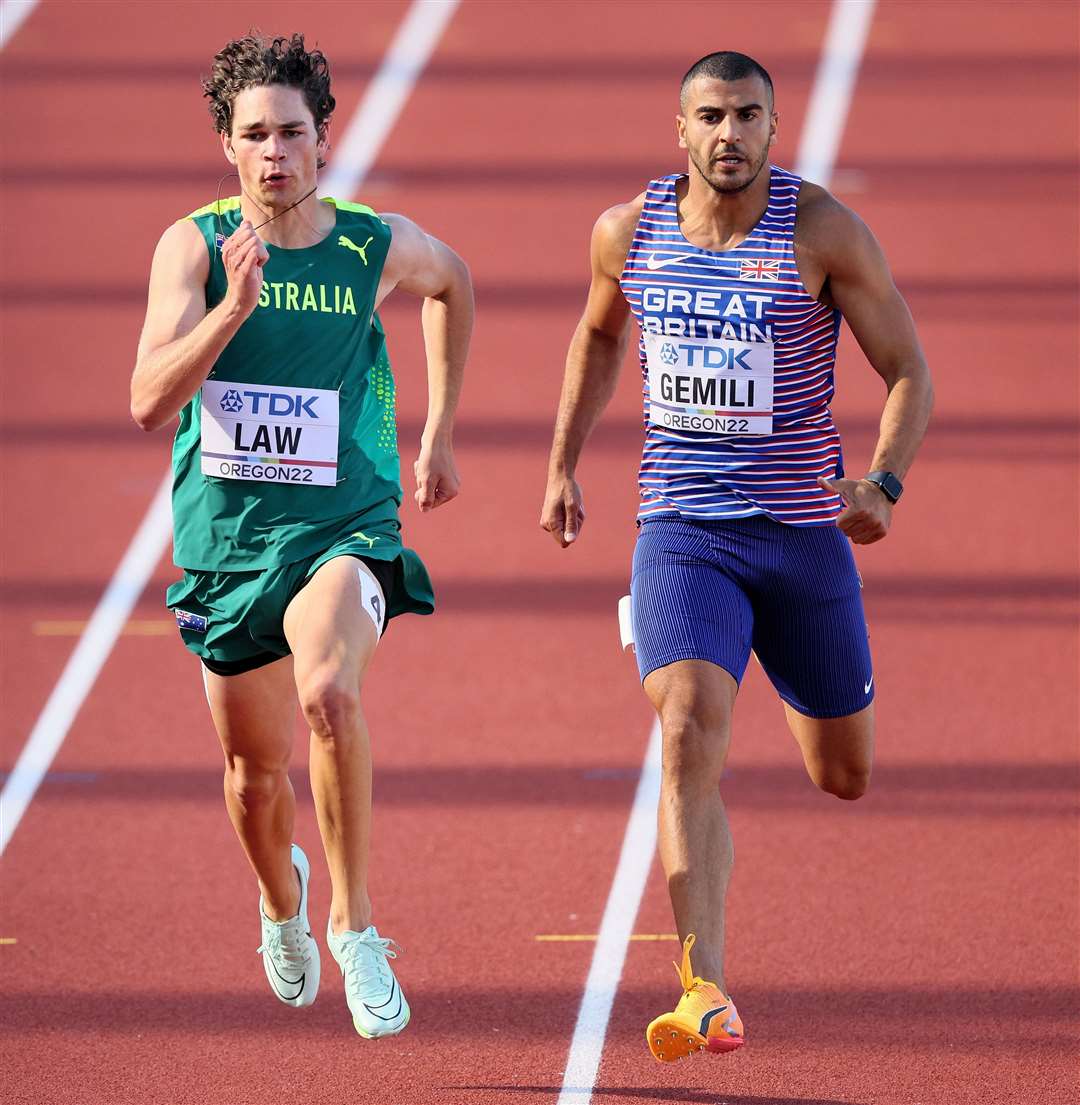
[[251, 61]]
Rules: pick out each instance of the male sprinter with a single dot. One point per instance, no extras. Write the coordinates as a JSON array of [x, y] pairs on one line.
[[738, 273], [261, 334]]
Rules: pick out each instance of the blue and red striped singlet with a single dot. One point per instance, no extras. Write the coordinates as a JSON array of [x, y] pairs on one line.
[[737, 362]]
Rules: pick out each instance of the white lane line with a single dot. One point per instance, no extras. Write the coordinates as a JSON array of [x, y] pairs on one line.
[[830, 98], [834, 83], [377, 113], [81, 671], [13, 15], [405, 60], [620, 915]]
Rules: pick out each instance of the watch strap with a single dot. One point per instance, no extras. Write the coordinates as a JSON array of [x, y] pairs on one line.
[[890, 486]]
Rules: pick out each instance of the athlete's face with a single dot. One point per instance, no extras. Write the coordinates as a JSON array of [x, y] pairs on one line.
[[727, 128], [274, 145]]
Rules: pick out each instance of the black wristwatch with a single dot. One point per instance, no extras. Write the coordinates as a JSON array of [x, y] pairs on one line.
[[890, 486]]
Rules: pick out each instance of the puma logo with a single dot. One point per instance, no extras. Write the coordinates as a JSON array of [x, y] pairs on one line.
[[349, 244]]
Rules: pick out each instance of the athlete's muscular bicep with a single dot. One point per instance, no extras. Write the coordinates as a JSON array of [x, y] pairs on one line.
[[419, 264], [592, 369], [181, 341], [607, 311], [859, 283], [177, 298], [176, 304]]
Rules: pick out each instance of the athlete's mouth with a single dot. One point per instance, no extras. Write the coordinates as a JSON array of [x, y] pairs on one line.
[[730, 159], [275, 178]]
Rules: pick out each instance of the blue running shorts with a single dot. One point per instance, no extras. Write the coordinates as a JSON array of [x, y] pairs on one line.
[[714, 590]]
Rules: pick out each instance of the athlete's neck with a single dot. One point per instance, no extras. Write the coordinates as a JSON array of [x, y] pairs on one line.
[[287, 226], [720, 220]]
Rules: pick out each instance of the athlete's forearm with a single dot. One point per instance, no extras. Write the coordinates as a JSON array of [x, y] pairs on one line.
[[166, 378], [447, 321], [904, 419], [592, 370]]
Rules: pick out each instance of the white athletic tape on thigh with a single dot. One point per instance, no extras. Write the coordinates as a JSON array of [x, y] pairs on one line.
[[626, 623], [372, 598]]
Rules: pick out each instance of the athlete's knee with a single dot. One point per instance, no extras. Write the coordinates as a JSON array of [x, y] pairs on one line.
[[695, 747], [255, 783], [331, 708], [848, 782]]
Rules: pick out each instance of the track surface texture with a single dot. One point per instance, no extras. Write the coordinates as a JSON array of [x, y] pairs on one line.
[[918, 947]]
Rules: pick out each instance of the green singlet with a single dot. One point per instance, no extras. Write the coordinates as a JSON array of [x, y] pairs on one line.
[[291, 444]]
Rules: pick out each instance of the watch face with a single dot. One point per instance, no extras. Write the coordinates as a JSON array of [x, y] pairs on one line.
[[889, 484]]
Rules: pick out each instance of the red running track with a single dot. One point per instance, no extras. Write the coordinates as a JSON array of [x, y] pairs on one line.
[[917, 947]]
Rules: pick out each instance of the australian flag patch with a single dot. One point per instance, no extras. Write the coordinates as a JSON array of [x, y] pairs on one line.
[[190, 621]]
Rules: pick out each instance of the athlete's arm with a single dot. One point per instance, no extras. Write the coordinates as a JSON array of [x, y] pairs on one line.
[[592, 369], [422, 265], [180, 339], [858, 282]]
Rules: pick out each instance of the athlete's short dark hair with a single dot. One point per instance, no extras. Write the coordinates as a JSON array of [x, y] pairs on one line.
[[726, 65], [251, 62]]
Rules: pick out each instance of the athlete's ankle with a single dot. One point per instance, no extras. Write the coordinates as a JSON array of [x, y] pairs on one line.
[[350, 918], [284, 909]]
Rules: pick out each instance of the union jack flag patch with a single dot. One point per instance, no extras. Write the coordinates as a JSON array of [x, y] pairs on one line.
[[759, 269]]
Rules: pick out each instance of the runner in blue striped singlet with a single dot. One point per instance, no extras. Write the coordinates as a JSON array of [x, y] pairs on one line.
[[738, 274]]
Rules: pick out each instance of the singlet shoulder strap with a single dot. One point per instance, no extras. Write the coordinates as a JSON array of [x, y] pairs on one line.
[[783, 199], [216, 207]]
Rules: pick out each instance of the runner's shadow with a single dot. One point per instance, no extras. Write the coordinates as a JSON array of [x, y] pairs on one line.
[[655, 1093]]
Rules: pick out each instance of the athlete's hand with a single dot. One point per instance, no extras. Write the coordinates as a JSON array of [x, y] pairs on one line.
[[244, 255], [437, 481], [867, 513], [563, 514]]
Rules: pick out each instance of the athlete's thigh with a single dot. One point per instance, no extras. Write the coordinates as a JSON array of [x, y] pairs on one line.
[[254, 713], [834, 749], [686, 603], [810, 630], [327, 623]]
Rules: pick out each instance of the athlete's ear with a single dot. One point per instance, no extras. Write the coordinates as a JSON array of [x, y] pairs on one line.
[[322, 146], [226, 145], [680, 130], [774, 122]]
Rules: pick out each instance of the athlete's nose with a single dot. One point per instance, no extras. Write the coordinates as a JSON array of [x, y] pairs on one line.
[[729, 131], [274, 149]]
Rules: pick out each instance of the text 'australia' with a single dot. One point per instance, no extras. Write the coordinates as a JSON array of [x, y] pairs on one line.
[[285, 295]]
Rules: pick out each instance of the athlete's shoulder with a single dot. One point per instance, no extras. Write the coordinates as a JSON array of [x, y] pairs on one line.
[[613, 234], [826, 227], [183, 243]]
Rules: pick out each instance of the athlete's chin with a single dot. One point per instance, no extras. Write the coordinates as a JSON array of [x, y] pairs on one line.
[[730, 183]]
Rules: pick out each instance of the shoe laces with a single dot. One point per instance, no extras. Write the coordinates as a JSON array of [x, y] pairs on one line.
[[363, 957], [285, 943], [687, 978]]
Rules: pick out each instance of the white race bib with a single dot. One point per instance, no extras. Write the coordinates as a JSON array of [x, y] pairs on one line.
[[270, 433], [714, 385]]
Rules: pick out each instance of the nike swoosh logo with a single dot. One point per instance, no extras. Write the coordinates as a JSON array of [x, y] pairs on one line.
[[394, 991], [652, 264], [866, 689], [297, 982]]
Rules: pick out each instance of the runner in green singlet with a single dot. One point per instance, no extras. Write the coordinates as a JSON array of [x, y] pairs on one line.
[[261, 333]]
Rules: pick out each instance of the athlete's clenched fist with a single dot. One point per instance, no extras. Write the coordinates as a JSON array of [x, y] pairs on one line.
[[866, 514], [244, 255]]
